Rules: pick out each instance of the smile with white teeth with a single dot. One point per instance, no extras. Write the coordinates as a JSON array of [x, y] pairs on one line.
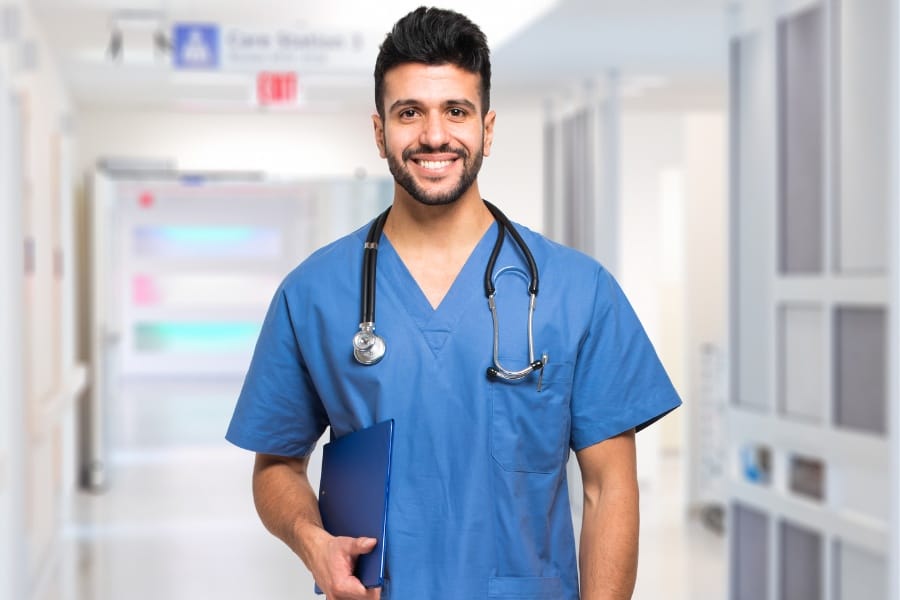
[[433, 164]]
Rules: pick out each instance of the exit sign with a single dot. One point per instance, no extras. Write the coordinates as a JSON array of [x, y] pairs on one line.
[[276, 88]]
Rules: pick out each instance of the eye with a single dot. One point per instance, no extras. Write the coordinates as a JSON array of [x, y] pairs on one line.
[[408, 113], [457, 113]]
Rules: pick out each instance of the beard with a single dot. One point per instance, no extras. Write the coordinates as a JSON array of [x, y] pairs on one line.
[[471, 167]]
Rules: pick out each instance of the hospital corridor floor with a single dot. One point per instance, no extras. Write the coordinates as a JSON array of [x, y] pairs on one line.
[[177, 522]]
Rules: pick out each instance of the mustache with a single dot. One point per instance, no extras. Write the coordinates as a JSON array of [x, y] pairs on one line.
[[445, 149]]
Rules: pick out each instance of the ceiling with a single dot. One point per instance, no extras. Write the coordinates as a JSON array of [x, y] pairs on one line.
[[668, 54]]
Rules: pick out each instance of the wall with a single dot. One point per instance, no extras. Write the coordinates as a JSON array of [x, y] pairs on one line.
[[512, 176], [37, 477], [652, 145], [673, 258], [11, 418], [705, 317], [297, 146], [814, 161], [281, 145]]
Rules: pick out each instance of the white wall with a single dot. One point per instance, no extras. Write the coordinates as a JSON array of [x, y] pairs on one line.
[[672, 252], [277, 144], [299, 146], [652, 144], [705, 318], [512, 177], [706, 227], [36, 314], [11, 397]]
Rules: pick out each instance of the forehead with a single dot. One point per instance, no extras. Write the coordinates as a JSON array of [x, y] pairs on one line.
[[417, 81]]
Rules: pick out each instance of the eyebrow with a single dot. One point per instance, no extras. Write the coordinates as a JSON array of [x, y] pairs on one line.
[[412, 102]]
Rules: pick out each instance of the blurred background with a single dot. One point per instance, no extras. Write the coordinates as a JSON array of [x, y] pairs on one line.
[[164, 163]]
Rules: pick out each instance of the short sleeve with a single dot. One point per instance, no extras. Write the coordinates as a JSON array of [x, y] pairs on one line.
[[278, 411], [619, 381]]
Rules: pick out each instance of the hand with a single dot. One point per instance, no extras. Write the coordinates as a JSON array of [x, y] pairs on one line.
[[333, 570]]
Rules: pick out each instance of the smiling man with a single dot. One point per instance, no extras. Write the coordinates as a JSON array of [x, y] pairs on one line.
[[489, 388], [436, 127]]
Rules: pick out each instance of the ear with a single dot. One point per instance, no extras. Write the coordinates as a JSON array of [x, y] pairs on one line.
[[489, 131], [379, 135]]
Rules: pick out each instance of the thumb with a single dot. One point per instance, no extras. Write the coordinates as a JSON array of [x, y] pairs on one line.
[[363, 545]]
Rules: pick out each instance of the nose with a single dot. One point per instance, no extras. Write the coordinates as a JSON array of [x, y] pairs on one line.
[[434, 131]]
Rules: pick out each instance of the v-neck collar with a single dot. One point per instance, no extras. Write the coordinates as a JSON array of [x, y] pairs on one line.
[[436, 324]]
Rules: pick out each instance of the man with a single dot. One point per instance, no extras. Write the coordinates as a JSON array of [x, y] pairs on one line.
[[479, 505]]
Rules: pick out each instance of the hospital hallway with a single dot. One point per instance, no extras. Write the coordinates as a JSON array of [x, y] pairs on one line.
[[177, 521], [732, 164]]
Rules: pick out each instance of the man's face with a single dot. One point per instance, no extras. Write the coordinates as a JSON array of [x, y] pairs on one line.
[[432, 134]]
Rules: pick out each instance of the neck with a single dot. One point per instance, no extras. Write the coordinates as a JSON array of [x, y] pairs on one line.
[[458, 224], [434, 242]]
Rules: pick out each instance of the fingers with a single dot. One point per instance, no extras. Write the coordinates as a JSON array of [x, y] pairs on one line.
[[348, 588], [336, 574]]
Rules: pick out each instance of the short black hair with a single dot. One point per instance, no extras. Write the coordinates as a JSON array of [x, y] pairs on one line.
[[435, 36]]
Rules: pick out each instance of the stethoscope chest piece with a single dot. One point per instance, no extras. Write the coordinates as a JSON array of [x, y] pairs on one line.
[[368, 347]]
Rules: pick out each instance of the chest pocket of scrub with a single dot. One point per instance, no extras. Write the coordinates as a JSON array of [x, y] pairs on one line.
[[530, 428]]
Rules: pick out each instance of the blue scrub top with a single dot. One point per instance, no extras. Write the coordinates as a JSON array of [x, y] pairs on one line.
[[479, 502]]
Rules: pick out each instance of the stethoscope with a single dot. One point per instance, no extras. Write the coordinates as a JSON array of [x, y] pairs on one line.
[[369, 347]]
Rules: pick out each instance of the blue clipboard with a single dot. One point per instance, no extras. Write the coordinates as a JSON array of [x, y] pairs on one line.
[[353, 492]]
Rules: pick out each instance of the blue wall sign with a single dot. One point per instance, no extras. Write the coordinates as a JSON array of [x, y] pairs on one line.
[[195, 46]]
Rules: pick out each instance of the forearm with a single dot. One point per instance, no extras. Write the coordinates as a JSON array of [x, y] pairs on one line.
[[289, 509], [609, 544], [287, 505]]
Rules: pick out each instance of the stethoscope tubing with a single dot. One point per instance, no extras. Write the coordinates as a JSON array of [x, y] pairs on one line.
[[370, 260], [504, 225], [369, 348]]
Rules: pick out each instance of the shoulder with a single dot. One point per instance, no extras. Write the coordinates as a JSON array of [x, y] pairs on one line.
[[338, 258], [557, 258], [571, 277]]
